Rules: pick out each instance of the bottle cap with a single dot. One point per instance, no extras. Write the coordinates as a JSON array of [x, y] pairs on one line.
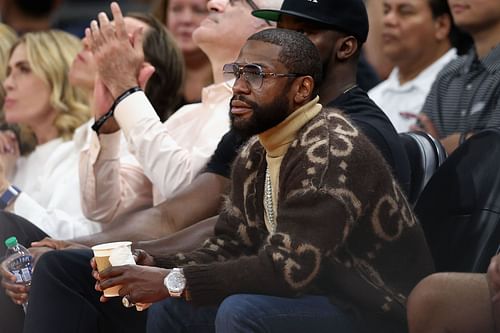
[[11, 241]]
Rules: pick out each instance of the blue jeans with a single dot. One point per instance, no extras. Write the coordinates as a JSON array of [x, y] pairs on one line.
[[252, 313]]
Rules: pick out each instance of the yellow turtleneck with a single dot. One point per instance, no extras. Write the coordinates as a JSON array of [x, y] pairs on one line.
[[276, 141]]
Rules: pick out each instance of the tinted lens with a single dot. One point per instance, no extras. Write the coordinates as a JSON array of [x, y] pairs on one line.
[[230, 72], [253, 75]]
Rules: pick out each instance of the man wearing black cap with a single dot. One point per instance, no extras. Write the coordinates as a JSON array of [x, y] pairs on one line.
[[338, 28]]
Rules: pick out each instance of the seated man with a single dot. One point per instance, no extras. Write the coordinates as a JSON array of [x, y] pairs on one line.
[[417, 40], [315, 225]]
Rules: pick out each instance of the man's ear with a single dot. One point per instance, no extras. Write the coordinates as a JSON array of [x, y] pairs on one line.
[[145, 73], [346, 47], [442, 26], [304, 89]]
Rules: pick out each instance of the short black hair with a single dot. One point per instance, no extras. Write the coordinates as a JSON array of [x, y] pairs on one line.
[[164, 88], [298, 53], [458, 39]]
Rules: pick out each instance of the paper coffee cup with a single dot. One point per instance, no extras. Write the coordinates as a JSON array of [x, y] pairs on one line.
[[113, 254]]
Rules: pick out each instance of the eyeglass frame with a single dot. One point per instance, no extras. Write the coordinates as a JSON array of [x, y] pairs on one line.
[[262, 74], [254, 7]]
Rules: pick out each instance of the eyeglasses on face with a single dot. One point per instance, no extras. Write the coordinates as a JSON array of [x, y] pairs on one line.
[[252, 5], [252, 73]]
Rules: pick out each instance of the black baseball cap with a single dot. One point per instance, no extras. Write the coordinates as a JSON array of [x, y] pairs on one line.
[[348, 16]]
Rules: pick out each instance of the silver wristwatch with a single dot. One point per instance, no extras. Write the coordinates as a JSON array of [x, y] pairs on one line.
[[175, 282]]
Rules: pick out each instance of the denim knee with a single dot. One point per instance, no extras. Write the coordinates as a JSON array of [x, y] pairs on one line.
[[238, 313]]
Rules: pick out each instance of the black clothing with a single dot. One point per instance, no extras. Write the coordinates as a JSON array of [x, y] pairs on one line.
[[223, 157], [366, 76], [373, 122], [11, 319], [66, 276]]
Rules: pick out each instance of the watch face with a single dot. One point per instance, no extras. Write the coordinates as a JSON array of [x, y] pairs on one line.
[[176, 282]]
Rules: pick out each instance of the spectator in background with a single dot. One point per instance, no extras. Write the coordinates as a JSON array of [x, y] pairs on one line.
[[465, 96], [28, 15], [182, 17], [40, 99], [7, 39], [416, 39], [372, 48]]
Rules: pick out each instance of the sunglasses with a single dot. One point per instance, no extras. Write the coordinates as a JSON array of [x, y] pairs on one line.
[[253, 74], [252, 5]]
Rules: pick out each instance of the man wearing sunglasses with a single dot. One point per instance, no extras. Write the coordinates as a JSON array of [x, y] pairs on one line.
[[315, 235], [338, 28]]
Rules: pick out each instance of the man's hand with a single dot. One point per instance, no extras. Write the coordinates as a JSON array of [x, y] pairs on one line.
[[141, 284], [424, 123], [103, 100], [143, 258], [451, 142], [57, 244], [36, 253], [18, 293], [118, 57]]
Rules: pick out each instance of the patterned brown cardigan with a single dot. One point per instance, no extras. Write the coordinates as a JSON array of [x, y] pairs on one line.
[[344, 228]]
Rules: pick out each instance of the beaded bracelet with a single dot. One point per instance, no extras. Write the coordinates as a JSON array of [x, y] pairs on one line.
[[99, 122]]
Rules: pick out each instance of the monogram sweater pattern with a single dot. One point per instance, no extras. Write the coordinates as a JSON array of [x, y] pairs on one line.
[[344, 228]]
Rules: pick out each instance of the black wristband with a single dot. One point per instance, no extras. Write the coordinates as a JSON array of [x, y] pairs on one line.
[[99, 122]]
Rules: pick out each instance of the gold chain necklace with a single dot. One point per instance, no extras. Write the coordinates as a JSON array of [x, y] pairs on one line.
[[268, 201]]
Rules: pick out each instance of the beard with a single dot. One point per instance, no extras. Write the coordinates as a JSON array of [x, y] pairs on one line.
[[263, 117]]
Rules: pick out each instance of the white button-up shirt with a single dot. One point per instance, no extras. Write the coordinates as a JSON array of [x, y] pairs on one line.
[[394, 98]]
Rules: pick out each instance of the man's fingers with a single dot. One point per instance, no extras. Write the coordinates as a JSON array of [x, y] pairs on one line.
[[106, 28], [89, 39], [121, 32], [17, 298], [15, 288], [96, 35]]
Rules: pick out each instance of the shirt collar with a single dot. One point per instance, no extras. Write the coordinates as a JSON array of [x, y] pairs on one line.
[[276, 140], [421, 81], [491, 62], [217, 91]]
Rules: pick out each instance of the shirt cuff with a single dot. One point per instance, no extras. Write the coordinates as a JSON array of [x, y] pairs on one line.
[[133, 110], [110, 146]]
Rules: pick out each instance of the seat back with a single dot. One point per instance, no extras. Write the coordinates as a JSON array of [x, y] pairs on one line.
[[425, 155], [459, 208]]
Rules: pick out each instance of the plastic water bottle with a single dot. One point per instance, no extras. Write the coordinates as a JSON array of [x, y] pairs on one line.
[[19, 262]]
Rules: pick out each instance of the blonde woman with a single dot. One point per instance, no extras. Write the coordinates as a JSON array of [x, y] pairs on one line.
[[42, 187], [7, 38]]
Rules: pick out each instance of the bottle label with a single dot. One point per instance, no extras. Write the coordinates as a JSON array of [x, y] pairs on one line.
[[21, 268]]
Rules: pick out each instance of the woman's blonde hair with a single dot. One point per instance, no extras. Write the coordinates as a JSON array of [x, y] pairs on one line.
[[50, 55], [7, 39]]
